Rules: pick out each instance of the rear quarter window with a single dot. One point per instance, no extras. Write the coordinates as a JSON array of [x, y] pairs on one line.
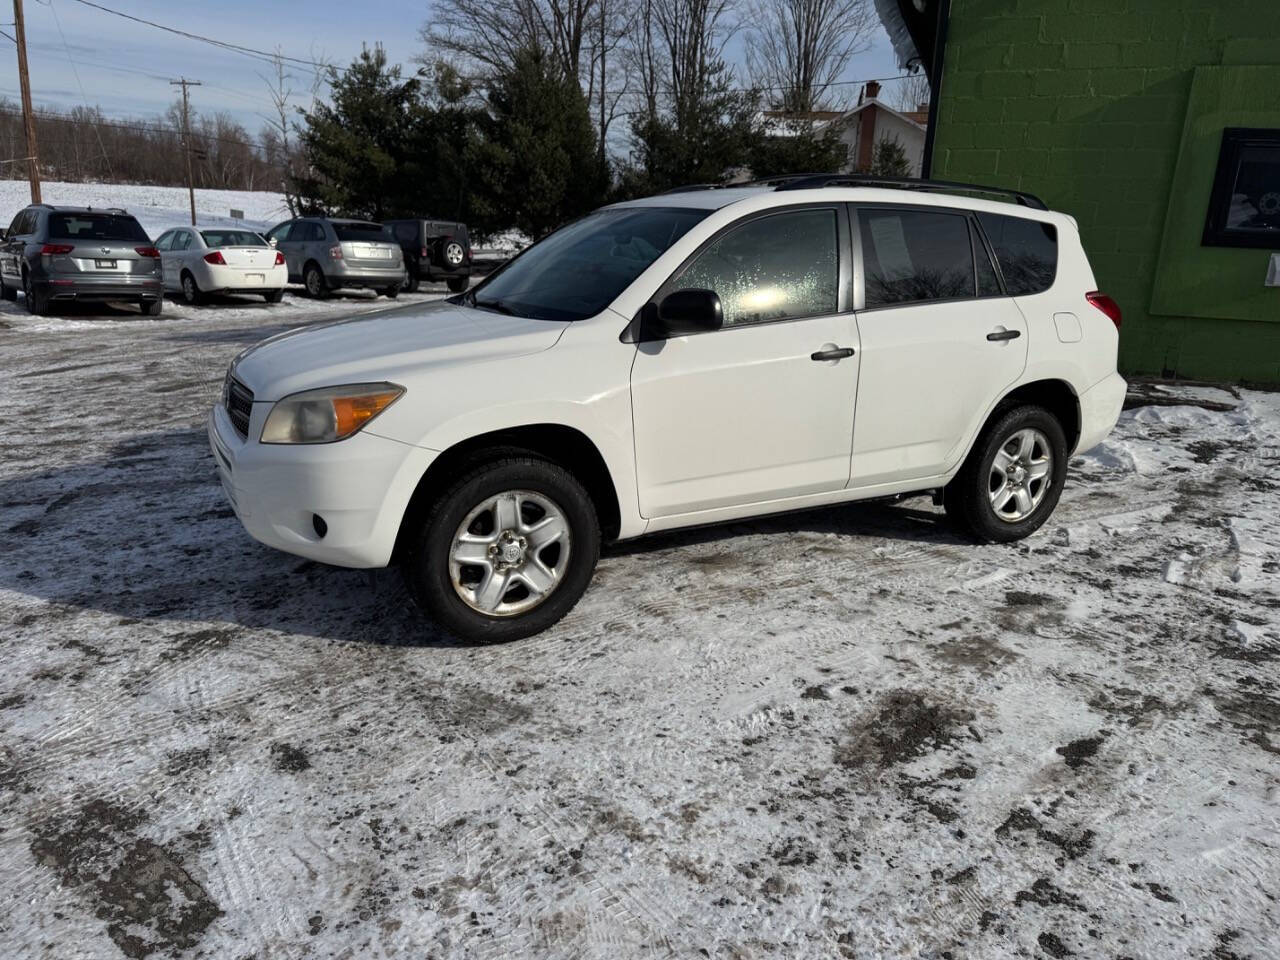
[[1027, 251]]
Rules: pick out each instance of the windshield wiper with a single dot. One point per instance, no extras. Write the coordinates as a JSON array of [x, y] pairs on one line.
[[495, 305]]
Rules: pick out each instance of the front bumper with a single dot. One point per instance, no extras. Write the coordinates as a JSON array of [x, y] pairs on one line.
[[1100, 408], [360, 487]]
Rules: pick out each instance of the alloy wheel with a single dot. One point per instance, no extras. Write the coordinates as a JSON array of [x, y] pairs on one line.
[[1021, 474], [510, 553]]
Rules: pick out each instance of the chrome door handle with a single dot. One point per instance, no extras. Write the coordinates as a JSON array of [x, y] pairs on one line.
[[1004, 335], [837, 354]]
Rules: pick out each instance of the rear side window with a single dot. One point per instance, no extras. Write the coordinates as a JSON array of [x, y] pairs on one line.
[[779, 267], [1027, 251], [914, 256], [366, 232], [95, 226], [232, 238], [407, 232]]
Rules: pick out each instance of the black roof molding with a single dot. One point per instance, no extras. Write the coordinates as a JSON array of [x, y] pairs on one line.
[[813, 181]]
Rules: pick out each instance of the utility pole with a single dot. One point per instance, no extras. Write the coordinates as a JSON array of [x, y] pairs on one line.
[[186, 137], [28, 117]]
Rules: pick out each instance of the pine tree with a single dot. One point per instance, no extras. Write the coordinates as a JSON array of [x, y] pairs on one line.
[[890, 160], [535, 160]]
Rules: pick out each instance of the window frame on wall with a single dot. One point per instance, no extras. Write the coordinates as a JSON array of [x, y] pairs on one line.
[[1216, 231]]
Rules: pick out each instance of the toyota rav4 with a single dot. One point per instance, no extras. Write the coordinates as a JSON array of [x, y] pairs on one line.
[[700, 356]]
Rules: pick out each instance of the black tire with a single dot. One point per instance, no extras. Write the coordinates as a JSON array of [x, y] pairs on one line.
[[314, 281], [191, 293], [391, 292], [7, 292], [968, 497], [458, 284], [153, 308], [37, 300], [426, 564], [275, 296], [411, 282]]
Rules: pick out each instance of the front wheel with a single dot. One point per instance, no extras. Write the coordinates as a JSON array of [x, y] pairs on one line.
[[506, 552], [7, 292], [1013, 477]]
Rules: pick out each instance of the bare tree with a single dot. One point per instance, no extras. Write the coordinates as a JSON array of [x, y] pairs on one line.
[[484, 36], [277, 137], [608, 74], [799, 48], [692, 35], [912, 92]]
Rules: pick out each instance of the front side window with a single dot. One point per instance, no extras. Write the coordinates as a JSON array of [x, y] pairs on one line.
[[580, 269], [778, 267], [1026, 249], [914, 256], [280, 232], [95, 226]]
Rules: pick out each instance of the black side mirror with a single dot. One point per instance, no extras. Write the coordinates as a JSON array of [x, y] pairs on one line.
[[685, 311]]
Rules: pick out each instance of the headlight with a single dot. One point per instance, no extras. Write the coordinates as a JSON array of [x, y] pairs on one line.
[[327, 414]]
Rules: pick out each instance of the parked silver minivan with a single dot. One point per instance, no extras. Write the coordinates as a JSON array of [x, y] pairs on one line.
[[324, 254]]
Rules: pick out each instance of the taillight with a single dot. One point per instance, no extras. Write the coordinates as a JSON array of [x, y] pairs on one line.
[[151, 252], [54, 249], [424, 253], [279, 258], [1106, 305], [216, 258], [335, 253]]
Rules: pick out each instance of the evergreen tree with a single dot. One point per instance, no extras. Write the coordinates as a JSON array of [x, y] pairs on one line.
[[358, 146], [889, 159], [806, 149], [534, 156]]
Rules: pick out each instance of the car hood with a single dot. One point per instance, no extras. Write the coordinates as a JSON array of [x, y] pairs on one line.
[[388, 346]]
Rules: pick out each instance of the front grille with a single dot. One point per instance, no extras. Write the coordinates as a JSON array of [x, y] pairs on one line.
[[238, 400]]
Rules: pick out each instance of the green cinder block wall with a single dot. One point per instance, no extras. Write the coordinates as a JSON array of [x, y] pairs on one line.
[[1104, 108]]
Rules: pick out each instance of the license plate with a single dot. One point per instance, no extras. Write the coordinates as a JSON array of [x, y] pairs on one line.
[[255, 278], [105, 264]]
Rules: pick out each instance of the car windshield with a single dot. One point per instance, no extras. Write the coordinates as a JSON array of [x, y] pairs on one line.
[[580, 269], [232, 238], [365, 232], [95, 226]]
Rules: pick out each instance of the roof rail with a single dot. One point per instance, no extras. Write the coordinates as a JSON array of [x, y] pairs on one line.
[[906, 183], [690, 187]]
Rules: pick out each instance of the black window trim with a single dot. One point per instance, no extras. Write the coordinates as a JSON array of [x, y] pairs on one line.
[[1216, 232], [844, 270]]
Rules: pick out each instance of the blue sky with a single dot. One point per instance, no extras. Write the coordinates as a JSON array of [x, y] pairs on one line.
[[124, 67]]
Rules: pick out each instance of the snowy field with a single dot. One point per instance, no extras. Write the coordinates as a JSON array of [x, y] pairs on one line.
[[845, 733]]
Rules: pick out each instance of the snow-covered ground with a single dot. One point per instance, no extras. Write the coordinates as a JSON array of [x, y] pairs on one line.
[[157, 208], [845, 733]]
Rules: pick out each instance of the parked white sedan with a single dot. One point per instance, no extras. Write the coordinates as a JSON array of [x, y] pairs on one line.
[[198, 261]]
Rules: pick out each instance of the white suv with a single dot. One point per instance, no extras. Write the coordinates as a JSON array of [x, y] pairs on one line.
[[684, 359]]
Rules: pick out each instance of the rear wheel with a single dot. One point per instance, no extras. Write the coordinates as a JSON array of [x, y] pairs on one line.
[[458, 284], [191, 292], [313, 280], [391, 292], [153, 308], [274, 296], [506, 551], [1013, 477], [7, 292], [37, 299], [411, 282]]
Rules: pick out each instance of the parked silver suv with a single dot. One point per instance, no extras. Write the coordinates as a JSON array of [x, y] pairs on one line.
[[324, 254], [79, 253]]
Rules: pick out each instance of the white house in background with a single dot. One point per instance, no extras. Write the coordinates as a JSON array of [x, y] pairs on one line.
[[873, 120]]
